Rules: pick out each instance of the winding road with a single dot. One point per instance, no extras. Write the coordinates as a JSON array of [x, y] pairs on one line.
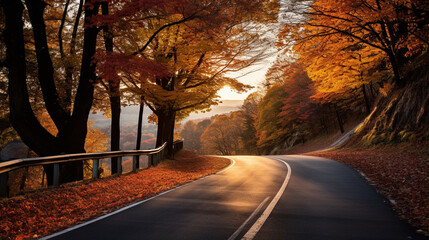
[[272, 197]]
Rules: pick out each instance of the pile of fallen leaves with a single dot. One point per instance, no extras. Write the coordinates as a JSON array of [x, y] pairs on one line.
[[402, 177], [47, 211]]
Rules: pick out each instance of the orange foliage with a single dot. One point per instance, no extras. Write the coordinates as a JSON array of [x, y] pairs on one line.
[[223, 135], [349, 42], [96, 140], [40, 213]]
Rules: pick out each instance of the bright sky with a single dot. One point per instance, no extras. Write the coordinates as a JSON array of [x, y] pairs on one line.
[[256, 74], [253, 76]]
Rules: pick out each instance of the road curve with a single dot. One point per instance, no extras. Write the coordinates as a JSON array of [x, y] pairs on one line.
[[322, 199], [326, 199], [210, 208]]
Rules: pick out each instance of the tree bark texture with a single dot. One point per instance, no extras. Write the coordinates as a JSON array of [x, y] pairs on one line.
[[139, 130], [140, 125], [114, 95], [365, 96], [71, 129], [340, 122], [166, 121]]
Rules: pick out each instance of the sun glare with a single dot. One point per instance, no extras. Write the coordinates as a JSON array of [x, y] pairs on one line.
[[226, 93]]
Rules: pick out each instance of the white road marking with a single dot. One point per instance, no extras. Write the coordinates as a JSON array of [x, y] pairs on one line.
[[261, 220], [129, 206], [238, 231], [230, 166]]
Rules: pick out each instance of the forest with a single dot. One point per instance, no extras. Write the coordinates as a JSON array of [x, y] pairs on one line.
[[338, 63], [80, 76]]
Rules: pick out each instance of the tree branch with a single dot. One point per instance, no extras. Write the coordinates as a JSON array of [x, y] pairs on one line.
[[142, 49], [45, 67]]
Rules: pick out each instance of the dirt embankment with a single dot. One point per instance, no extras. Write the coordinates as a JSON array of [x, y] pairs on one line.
[[402, 115]]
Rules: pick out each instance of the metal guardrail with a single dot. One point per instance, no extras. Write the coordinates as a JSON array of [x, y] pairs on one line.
[[154, 157]]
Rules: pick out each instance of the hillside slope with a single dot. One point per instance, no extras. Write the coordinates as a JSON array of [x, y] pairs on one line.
[[402, 116]]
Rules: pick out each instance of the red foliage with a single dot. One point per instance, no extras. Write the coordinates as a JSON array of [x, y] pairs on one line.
[[43, 212], [126, 9], [402, 177], [298, 106], [111, 65]]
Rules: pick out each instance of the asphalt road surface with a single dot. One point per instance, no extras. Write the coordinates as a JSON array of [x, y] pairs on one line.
[[273, 197]]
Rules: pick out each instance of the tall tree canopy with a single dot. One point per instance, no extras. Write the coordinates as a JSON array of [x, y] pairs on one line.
[[218, 37], [350, 37], [30, 29]]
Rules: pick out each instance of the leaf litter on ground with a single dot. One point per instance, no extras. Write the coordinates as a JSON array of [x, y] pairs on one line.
[[46, 211]]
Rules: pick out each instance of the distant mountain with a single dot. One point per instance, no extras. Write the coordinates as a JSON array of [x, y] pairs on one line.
[[225, 107], [129, 114]]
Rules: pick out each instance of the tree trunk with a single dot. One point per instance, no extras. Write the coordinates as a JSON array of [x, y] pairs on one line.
[[139, 130], [166, 121], [170, 139], [71, 129], [371, 88], [340, 123], [115, 106], [140, 124], [45, 67], [161, 129], [115, 97], [69, 69], [365, 96], [73, 137], [22, 117], [67, 101], [323, 121], [400, 83]]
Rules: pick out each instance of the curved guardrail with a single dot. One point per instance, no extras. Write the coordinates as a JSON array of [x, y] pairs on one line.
[[154, 157]]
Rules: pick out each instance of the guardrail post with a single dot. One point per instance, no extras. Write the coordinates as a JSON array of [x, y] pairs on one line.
[[4, 190], [136, 160], [56, 175], [156, 158], [149, 160], [95, 164], [119, 165]]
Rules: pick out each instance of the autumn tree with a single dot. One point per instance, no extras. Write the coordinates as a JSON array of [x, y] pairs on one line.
[[196, 76], [292, 111], [70, 116], [216, 38], [72, 128], [268, 125], [249, 111], [298, 107], [191, 133], [345, 34], [223, 135], [119, 22]]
